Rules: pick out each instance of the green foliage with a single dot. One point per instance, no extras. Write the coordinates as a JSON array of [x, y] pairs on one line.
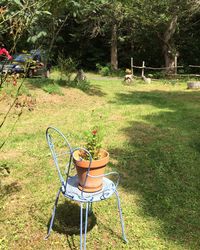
[[11, 90], [93, 145], [33, 39], [104, 70], [52, 88], [66, 66], [20, 22], [158, 74], [84, 85], [119, 73], [108, 71], [83, 30]]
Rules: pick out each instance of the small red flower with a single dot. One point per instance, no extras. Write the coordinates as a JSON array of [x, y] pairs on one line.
[[94, 132]]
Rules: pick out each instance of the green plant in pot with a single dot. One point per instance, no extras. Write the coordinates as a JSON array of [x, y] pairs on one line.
[[90, 175]]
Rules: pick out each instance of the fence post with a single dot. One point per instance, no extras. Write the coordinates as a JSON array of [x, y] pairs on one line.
[[175, 64], [132, 66], [143, 66]]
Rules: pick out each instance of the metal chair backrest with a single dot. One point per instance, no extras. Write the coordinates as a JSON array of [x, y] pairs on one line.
[[61, 152], [63, 157]]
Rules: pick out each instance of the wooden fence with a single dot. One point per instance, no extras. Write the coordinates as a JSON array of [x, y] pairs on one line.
[[143, 67]]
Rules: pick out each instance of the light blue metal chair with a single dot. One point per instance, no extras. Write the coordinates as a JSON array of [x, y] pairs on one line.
[[62, 154]]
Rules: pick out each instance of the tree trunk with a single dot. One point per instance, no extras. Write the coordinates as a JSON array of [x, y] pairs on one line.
[[168, 49], [114, 60], [54, 35]]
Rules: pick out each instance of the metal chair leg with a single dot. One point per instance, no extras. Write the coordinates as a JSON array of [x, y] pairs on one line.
[[90, 209], [53, 215], [81, 224], [86, 222], [83, 244], [121, 218]]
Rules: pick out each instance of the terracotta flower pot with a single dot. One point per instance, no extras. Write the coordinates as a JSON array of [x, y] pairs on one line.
[[97, 168]]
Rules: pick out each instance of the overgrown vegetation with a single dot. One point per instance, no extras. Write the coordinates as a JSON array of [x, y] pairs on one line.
[[66, 67], [108, 71], [152, 135]]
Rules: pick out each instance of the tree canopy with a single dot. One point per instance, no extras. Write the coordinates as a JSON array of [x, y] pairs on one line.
[[104, 31]]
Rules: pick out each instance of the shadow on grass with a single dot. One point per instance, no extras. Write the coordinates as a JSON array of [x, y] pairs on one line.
[[67, 219], [9, 189], [161, 161], [53, 86]]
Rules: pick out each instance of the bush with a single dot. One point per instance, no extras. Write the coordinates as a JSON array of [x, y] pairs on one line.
[[66, 66], [108, 71], [104, 70]]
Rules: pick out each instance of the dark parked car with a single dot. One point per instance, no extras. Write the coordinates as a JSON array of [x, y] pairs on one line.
[[28, 64]]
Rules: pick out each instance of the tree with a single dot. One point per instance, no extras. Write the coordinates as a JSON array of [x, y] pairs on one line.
[[164, 18], [101, 18], [61, 11], [19, 17]]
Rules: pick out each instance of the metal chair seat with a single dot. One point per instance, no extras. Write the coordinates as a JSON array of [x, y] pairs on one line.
[[73, 193]]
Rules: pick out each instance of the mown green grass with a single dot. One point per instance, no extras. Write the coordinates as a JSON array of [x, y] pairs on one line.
[[152, 134]]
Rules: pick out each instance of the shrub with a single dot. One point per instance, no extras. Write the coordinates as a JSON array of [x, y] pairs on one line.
[[66, 66], [104, 70]]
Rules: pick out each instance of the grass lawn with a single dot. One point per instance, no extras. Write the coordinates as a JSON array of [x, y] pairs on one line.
[[152, 133]]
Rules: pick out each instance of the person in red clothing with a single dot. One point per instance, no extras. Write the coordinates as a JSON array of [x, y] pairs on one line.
[[4, 51]]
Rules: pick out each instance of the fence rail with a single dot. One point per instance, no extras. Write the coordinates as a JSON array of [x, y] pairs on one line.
[[175, 67], [194, 66], [145, 67]]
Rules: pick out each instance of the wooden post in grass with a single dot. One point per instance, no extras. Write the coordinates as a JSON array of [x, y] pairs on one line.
[[143, 66], [175, 64], [132, 66]]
